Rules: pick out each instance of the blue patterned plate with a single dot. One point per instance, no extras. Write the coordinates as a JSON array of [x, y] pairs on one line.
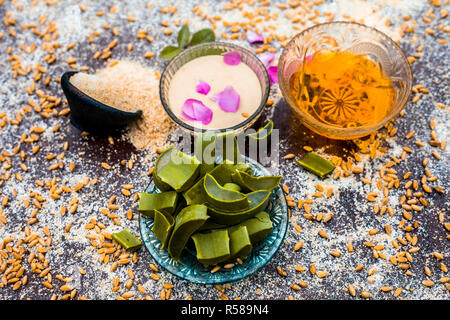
[[188, 266]]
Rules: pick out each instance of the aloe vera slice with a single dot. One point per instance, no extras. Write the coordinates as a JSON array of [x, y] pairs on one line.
[[181, 203], [165, 202], [196, 194], [258, 227], [258, 202], [244, 167], [205, 151], [240, 244], [188, 221], [316, 164], [263, 133], [232, 186], [230, 147], [212, 247], [162, 226], [210, 225], [222, 198], [181, 172], [161, 162], [249, 182], [127, 240]]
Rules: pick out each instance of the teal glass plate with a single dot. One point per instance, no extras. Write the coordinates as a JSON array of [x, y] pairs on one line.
[[189, 268]]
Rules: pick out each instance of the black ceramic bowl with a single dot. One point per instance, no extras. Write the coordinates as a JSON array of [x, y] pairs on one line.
[[88, 114]]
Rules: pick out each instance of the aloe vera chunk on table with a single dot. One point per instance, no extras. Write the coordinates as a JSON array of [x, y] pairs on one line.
[[127, 240], [316, 164]]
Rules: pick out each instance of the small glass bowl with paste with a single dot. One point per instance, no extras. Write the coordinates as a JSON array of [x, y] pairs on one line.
[[175, 87]]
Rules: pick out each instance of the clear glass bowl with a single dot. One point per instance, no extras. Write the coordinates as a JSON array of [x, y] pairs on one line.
[[350, 37], [214, 48]]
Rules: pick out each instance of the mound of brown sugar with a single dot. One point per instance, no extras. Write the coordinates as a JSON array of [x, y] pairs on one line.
[[129, 86]]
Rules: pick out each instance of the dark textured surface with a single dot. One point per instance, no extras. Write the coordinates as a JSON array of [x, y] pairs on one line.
[[352, 214]]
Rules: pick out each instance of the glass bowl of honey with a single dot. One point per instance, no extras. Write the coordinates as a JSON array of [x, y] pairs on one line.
[[343, 79]]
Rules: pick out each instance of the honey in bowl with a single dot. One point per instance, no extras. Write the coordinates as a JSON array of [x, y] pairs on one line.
[[342, 89]]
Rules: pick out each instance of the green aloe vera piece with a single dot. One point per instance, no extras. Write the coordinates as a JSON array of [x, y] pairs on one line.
[[316, 164], [162, 226], [212, 247], [205, 151], [249, 182], [240, 244], [127, 240], [230, 147], [181, 203], [165, 202], [210, 225], [188, 221], [244, 167], [258, 227], [232, 186], [181, 172], [263, 133], [258, 202], [222, 198], [196, 194], [161, 162]]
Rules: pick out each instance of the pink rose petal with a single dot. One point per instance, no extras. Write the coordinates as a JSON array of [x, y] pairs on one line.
[[267, 58], [232, 58], [253, 37], [202, 87], [195, 110], [228, 100], [273, 74]]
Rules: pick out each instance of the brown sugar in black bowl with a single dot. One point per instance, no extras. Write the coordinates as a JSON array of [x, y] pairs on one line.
[[88, 114]]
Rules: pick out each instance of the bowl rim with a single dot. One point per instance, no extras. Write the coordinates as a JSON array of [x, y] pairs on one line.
[[236, 127], [65, 81], [345, 133]]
